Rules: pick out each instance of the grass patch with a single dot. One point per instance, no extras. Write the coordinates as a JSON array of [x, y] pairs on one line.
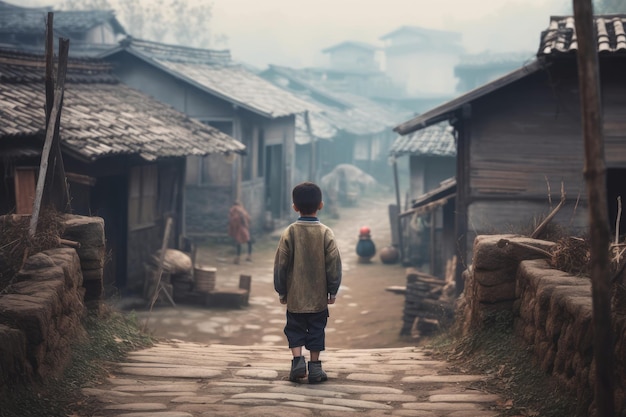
[[111, 335], [496, 352]]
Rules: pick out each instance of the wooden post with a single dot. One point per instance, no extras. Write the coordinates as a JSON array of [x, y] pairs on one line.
[[595, 178], [50, 130], [55, 190], [398, 219], [313, 155]]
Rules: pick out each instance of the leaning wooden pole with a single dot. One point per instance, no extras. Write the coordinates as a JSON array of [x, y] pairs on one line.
[[50, 132], [595, 178]]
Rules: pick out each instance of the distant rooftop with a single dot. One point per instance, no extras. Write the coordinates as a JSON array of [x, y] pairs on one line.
[[424, 33], [351, 44]]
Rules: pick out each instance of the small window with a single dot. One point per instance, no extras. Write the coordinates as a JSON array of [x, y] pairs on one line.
[[142, 196]]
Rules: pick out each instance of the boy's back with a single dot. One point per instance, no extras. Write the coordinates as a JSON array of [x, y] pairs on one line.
[[307, 266]]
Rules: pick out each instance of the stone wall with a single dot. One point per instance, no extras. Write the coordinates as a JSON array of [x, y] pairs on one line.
[[552, 311], [89, 233], [41, 317], [41, 311]]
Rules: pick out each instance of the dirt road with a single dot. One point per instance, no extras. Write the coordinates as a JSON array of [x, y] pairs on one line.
[[364, 316]]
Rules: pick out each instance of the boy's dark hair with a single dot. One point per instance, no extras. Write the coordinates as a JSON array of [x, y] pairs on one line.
[[306, 197]]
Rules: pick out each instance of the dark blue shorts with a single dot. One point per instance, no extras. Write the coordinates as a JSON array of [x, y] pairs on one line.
[[306, 329]]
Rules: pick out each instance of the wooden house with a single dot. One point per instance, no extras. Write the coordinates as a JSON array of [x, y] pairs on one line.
[[427, 240], [89, 31], [124, 154], [358, 129], [208, 86], [519, 138]]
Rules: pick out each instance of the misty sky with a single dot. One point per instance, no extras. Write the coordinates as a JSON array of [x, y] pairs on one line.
[[293, 32]]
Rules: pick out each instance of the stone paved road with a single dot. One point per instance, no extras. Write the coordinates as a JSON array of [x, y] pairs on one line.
[[181, 379], [235, 363]]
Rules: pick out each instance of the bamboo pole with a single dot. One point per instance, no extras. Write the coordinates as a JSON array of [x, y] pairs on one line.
[[595, 178]]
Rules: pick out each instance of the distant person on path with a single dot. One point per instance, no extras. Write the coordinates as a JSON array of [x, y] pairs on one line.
[[239, 229], [307, 275]]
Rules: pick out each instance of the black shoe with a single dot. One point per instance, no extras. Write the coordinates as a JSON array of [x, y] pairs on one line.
[[298, 369], [316, 374]]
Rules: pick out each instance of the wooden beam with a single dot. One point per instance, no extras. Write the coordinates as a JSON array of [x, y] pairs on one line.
[[595, 179]]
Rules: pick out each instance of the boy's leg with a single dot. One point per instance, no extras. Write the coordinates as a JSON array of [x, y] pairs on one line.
[[295, 330], [315, 343]]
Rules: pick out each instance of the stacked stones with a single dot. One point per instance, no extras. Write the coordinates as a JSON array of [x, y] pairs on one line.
[[40, 316], [555, 314], [89, 232], [424, 306], [490, 281]]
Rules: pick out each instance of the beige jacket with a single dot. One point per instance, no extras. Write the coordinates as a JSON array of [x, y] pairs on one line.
[[307, 267]]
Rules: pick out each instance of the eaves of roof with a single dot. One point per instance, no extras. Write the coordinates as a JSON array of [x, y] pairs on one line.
[[448, 109]]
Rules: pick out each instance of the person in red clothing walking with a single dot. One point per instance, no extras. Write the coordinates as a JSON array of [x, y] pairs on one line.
[[239, 229]]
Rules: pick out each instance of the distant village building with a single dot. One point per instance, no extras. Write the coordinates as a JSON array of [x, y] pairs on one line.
[[346, 128], [89, 31], [474, 70], [353, 67], [428, 233], [421, 61]]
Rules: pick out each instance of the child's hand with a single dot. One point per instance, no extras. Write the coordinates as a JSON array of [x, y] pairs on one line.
[[331, 300], [283, 300]]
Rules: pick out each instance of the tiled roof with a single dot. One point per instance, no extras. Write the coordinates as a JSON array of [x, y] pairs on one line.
[[435, 140], [351, 113], [213, 72], [100, 117], [319, 128], [15, 19], [560, 37]]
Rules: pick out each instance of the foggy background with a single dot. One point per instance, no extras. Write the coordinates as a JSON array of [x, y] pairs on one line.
[[294, 32]]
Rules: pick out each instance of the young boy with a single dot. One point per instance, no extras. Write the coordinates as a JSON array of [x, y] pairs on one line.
[[307, 275]]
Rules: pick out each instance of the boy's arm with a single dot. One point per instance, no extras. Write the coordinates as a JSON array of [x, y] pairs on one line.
[[280, 271], [333, 270]]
